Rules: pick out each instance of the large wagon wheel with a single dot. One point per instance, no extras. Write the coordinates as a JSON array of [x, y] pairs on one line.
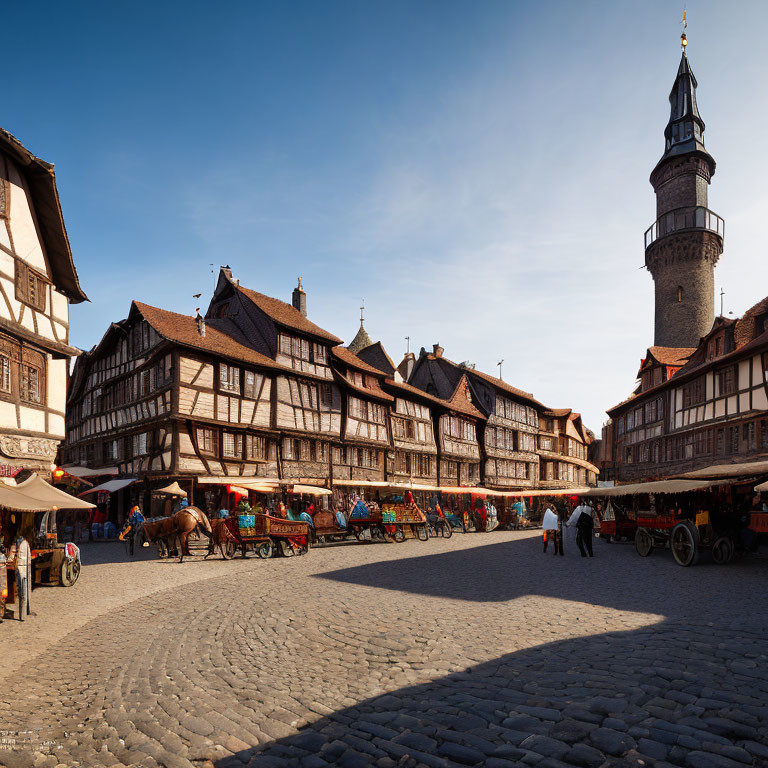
[[684, 544], [723, 550], [643, 542], [446, 531], [399, 534], [286, 549], [70, 573], [358, 532], [422, 532], [264, 550], [228, 549]]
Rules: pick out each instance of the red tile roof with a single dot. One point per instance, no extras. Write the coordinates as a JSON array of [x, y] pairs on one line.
[[671, 355], [286, 315], [183, 330]]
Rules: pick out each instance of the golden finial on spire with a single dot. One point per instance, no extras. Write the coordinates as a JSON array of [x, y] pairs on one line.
[[683, 36]]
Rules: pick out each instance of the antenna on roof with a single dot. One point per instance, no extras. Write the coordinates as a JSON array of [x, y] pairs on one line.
[[408, 347], [362, 311], [500, 363]]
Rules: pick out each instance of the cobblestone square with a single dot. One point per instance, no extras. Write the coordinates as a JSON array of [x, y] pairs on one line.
[[478, 650]]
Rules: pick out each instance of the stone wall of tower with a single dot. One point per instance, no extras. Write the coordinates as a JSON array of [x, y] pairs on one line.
[[683, 269], [680, 183]]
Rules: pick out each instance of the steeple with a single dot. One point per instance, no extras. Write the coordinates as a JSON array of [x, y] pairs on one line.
[[362, 339], [685, 130]]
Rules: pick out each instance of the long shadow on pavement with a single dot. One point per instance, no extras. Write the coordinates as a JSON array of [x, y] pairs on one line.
[[690, 690]]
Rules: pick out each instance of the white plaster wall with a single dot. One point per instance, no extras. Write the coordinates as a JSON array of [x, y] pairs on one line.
[[7, 414], [56, 425], [760, 399], [57, 384], [60, 307], [4, 238], [26, 240], [744, 374], [32, 419]]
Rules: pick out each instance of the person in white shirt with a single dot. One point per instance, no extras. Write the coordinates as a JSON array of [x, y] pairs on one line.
[[551, 526], [21, 554]]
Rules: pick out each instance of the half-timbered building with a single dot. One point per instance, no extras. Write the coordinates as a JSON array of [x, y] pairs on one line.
[[38, 281], [564, 448], [713, 409]]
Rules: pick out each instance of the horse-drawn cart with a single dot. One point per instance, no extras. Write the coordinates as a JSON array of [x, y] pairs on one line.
[[261, 534], [404, 520]]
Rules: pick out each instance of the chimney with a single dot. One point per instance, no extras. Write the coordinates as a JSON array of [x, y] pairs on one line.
[[406, 366], [200, 324], [437, 350], [299, 299]]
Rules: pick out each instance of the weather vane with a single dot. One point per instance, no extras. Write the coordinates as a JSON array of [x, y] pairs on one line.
[[362, 310], [683, 36]]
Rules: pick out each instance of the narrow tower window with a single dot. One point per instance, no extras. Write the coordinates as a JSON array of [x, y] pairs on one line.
[[679, 294]]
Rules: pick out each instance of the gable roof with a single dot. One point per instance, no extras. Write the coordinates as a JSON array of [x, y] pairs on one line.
[[459, 402], [353, 361], [361, 340], [286, 315], [671, 355], [182, 329], [377, 356], [47, 206], [747, 326], [501, 384]]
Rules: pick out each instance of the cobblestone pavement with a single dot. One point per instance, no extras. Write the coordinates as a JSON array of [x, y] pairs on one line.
[[479, 650]]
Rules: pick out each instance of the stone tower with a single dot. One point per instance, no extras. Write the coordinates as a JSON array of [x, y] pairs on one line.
[[686, 240]]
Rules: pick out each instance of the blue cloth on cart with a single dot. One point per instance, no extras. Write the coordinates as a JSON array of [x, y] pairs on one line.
[[306, 518], [341, 521], [360, 510], [246, 521]]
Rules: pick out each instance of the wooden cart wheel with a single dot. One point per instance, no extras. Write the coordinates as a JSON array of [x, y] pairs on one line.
[[228, 549], [643, 542], [286, 549], [70, 573], [723, 550], [446, 531], [421, 532], [399, 535], [684, 545], [264, 550], [358, 531], [321, 539]]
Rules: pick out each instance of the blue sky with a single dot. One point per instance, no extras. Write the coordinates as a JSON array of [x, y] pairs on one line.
[[478, 172]]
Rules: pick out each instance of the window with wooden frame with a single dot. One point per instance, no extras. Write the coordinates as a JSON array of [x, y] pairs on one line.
[[694, 392], [140, 444], [320, 354], [750, 436], [284, 343], [32, 377], [727, 380], [255, 447], [252, 384], [326, 395], [229, 378], [232, 445], [31, 286], [206, 440], [5, 373]]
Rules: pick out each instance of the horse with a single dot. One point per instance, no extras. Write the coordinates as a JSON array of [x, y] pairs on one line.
[[177, 526]]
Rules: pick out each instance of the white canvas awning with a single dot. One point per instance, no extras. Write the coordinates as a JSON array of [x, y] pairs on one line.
[[88, 472], [717, 471], [762, 488], [110, 486], [549, 492], [35, 495], [655, 487], [254, 483], [313, 490], [362, 483]]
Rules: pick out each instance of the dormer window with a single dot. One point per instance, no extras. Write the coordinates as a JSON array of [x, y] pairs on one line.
[[31, 287]]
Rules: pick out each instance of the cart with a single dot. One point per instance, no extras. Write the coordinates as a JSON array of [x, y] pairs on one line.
[[404, 520], [614, 525], [328, 526], [364, 518], [259, 533]]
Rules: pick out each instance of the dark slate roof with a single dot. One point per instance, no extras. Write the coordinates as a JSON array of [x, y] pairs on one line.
[[286, 315], [351, 360], [45, 199], [377, 356]]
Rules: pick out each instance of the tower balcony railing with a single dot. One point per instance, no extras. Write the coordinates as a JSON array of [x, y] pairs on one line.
[[692, 217]]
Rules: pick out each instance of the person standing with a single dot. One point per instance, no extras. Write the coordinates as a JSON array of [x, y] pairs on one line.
[[552, 532], [584, 529], [22, 556]]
